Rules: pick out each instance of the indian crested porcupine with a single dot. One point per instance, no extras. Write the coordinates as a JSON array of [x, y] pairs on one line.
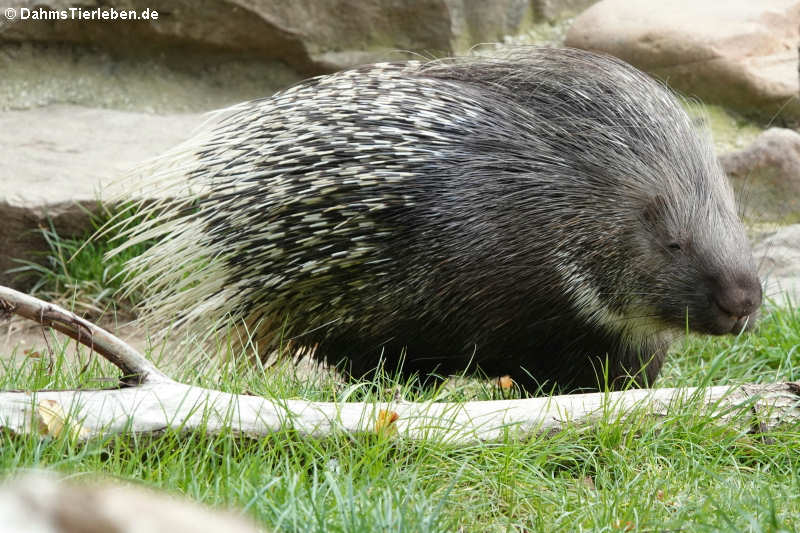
[[552, 214]]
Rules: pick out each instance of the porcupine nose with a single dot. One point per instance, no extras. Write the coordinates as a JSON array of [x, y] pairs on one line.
[[738, 297]]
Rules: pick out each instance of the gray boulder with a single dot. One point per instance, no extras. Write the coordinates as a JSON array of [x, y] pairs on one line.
[[779, 264], [312, 36], [766, 175], [741, 54], [56, 162]]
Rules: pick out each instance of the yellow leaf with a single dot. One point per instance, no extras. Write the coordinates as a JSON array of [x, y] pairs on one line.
[[386, 422], [505, 382], [52, 420]]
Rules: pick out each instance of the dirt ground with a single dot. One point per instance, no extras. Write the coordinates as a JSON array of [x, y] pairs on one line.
[[20, 338]]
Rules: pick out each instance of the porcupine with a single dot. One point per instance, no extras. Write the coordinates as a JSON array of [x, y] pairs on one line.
[[552, 214]]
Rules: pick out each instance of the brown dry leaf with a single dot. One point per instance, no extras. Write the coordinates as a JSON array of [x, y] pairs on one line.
[[660, 496], [386, 422], [33, 354], [52, 420], [505, 382], [624, 526]]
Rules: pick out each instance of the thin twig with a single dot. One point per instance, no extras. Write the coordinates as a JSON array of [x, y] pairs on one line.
[[136, 369]]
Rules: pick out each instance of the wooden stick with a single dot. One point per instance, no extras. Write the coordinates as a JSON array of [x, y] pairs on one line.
[[154, 407], [135, 367]]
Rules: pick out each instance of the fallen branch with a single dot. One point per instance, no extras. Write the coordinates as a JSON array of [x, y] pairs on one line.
[[135, 367], [152, 402]]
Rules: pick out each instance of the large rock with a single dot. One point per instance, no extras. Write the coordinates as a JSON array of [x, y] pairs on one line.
[[474, 21], [553, 10], [738, 53], [778, 255], [57, 160], [310, 35], [766, 174]]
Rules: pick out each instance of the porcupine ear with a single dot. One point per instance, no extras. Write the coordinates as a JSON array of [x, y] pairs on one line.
[[653, 211]]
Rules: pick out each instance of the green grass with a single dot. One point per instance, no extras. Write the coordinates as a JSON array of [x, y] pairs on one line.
[[683, 472], [77, 273]]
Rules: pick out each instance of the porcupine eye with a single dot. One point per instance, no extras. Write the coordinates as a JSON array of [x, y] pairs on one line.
[[652, 216]]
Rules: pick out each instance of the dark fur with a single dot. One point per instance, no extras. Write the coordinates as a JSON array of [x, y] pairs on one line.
[[539, 216]]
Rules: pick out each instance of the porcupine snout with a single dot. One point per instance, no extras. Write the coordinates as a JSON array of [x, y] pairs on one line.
[[735, 300]]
